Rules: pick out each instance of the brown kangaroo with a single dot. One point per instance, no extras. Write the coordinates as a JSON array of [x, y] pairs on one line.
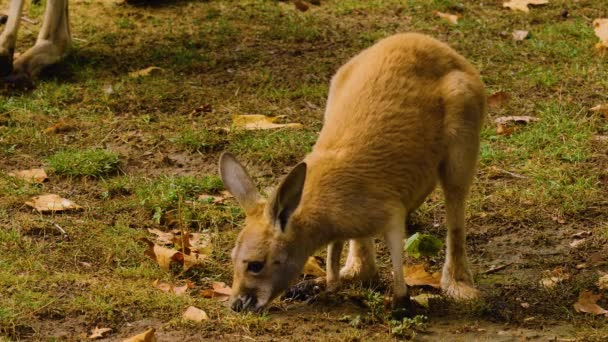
[[400, 116]]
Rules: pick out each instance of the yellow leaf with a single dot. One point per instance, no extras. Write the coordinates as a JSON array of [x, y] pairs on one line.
[[149, 71], [99, 332], [587, 302], [423, 299], [31, 176], [602, 283], [52, 203], [146, 336], [522, 5], [600, 26], [451, 18], [255, 122], [195, 314], [312, 268], [416, 275]]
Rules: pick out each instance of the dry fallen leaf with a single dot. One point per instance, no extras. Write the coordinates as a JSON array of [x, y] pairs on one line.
[[600, 26], [577, 243], [31, 176], [516, 119], [602, 283], [178, 290], [163, 256], [554, 277], [504, 130], [52, 203], [312, 268], [601, 108], [423, 299], [190, 260], [451, 18], [146, 336], [195, 314], [582, 234], [60, 127], [149, 71], [219, 291], [301, 5], [587, 303], [519, 35], [254, 122], [522, 5], [498, 99], [99, 332], [415, 275], [162, 238]]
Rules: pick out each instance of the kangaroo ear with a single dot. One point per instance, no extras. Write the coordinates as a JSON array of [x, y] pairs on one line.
[[238, 182], [287, 196]]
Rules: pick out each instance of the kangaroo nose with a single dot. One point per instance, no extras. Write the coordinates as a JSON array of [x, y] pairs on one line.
[[244, 302]]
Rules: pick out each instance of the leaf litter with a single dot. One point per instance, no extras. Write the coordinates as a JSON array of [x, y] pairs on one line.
[[600, 26], [146, 336], [52, 203], [99, 333], [416, 275], [450, 18], [587, 303], [260, 122], [218, 290], [522, 5], [37, 176], [195, 314]]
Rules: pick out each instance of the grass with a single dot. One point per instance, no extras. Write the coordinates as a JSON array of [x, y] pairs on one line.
[[89, 162], [139, 157]]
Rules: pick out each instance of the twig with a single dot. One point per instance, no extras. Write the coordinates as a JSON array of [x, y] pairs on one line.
[[495, 269], [64, 234]]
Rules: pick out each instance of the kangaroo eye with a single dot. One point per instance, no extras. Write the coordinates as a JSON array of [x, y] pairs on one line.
[[255, 266]]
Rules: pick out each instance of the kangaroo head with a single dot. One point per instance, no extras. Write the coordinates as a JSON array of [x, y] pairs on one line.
[[266, 256]]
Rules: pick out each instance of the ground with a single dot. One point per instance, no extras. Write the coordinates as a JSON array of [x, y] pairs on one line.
[[130, 149]]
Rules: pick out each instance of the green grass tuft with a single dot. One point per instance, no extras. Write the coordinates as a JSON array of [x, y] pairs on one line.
[[90, 162]]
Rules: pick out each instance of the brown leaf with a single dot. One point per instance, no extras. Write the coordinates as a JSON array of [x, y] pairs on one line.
[[587, 303], [31, 176], [498, 99], [300, 5], [149, 71], [602, 109], [219, 291], [99, 332], [60, 127], [214, 198], [146, 336], [415, 275], [522, 5], [52, 203], [600, 26], [554, 277], [577, 243], [519, 35], [195, 314], [163, 256], [516, 119], [313, 268], [255, 122], [583, 234], [450, 18], [190, 260], [177, 290]]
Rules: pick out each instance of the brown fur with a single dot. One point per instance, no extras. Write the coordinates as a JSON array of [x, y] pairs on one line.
[[401, 116]]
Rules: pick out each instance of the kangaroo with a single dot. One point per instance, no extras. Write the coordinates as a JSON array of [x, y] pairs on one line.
[[401, 116]]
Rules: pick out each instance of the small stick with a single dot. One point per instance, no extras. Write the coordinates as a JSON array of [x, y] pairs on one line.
[[497, 268], [63, 232]]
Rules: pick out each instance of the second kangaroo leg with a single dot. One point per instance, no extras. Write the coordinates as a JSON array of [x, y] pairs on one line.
[[361, 261], [394, 235], [456, 175], [334, 250]]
